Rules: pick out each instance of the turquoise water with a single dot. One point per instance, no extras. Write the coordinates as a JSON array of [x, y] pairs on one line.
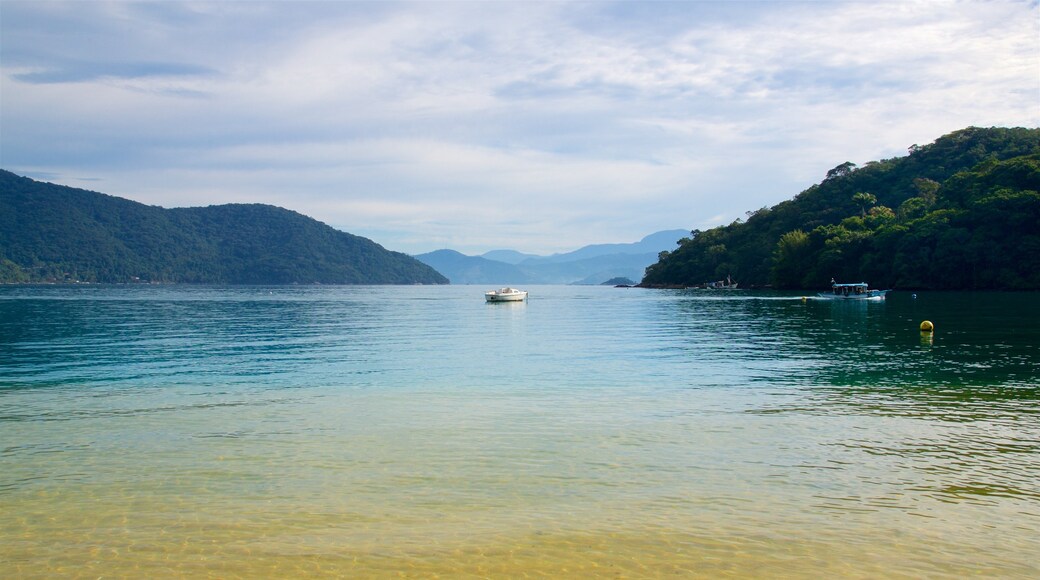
[[378, 431]]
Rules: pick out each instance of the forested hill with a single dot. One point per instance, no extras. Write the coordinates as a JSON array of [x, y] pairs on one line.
[[55, 233], [960, 213]]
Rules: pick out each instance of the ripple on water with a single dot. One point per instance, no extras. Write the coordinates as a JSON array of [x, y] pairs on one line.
[[377, 431]]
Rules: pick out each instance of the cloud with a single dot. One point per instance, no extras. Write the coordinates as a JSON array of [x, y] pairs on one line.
[[79, 72], [414, 120]]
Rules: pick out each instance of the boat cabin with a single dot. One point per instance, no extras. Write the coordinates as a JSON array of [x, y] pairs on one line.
[[855, 289]]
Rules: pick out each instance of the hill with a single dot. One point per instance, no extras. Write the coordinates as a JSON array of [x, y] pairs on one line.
[[591, 264], [960, 213], [55, 233]]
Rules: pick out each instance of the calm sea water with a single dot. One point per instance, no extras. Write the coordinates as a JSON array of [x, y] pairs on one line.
[[600, 432]]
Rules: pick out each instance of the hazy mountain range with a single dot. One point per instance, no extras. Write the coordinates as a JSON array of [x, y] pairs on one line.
[[592, 264]]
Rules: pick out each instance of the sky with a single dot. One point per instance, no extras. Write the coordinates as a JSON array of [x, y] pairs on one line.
[[534, 126]]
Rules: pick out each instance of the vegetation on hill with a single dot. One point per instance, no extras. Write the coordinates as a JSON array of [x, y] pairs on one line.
[[620, 281], [54, 233], [960, 213]]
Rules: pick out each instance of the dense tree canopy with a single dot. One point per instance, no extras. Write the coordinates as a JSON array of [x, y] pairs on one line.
[[961, 213], [55, 233]]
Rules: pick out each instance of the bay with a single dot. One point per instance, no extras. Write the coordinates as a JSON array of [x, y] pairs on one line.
[[186, 431]]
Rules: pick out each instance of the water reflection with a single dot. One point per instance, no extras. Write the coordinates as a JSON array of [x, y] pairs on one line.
[[971, 391]]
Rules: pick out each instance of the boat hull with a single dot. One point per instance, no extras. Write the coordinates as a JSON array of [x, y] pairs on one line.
[[511, 298], [871, 295]]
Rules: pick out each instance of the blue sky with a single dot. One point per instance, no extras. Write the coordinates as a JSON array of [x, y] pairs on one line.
[[536, 126]]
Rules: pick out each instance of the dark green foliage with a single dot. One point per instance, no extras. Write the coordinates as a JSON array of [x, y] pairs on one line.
[[619, 281], [791, 259], [55, 233], [961, 213]]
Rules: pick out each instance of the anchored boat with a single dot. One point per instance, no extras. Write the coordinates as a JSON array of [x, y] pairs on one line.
[[505, 295], [727, 284]]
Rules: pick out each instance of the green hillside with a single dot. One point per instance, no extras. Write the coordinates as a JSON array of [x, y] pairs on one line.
[[55, 233], [960, 213]]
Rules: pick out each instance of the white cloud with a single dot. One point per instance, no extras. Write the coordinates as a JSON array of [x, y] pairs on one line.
[[609, 120]]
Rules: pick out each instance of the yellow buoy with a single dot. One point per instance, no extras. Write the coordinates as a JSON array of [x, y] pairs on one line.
[[927, 326]]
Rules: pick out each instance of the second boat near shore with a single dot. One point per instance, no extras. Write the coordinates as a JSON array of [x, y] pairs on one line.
[[853, 291]]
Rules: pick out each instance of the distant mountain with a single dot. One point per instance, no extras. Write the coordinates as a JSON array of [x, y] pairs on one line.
[[652, 244], [462, 269], [54, 233], [588, 265], [507, 256]]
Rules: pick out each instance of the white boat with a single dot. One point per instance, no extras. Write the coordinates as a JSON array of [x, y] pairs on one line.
[[505, 295], [854, 291]]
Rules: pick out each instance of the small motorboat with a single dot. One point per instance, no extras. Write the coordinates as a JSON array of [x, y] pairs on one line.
[[855, 291], [505, 295]]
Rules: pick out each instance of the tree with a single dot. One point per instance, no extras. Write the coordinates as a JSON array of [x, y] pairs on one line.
[[791, 260], [927, 189], [864, 200], [841, 171]]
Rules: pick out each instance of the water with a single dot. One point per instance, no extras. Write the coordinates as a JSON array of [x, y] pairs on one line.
[[599, 432]]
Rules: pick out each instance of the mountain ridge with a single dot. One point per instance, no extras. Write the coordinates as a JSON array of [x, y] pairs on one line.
[[55, 233]]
